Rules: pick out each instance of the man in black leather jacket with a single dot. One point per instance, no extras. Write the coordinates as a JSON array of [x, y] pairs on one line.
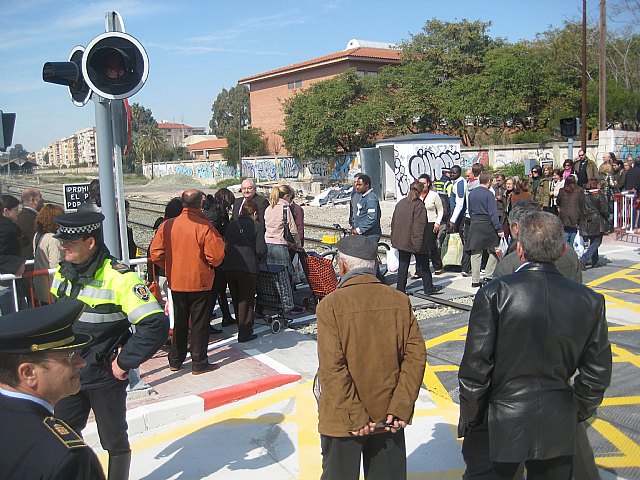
[[524, 344]]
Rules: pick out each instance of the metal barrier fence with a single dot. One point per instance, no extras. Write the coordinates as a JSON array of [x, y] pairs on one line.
[[625, 213], [30, 300]]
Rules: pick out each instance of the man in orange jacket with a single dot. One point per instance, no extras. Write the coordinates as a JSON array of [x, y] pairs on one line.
[[188, 247]]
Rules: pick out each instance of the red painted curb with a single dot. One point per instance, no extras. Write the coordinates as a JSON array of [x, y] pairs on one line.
[[222, 396]]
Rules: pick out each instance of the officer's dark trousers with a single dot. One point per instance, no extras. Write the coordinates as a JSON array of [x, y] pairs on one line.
[[384, 457], [475, 451], [109, 406], [196, 306]]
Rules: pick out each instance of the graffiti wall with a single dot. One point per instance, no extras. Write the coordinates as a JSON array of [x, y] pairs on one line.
[[209, 171], [622, 143], [413, 160], [344, 167]]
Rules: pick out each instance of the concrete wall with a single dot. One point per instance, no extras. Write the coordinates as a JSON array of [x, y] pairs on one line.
[[343, 167], [620, 142]]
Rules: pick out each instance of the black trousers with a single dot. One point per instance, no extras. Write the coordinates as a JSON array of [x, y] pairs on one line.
[[465, 263], [475, 451], [109, 406], [196, 306], [384, 457], [422, 269], [242, 286], [219, 292]]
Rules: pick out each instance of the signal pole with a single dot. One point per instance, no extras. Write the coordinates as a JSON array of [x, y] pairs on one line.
[[602, 104], [583, 136]]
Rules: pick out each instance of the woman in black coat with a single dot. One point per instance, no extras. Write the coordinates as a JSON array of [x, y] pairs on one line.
[[245, 248], [217, 209], [594, 221], [408, 227]]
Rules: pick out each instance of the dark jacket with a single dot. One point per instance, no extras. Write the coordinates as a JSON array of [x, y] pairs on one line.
[[522, 349], [632, 182], [366, 217], [11, 258], [594, 214], [569, 206], [40, 447], [27, 223], [262, 202], [407, 225], [244, 245]]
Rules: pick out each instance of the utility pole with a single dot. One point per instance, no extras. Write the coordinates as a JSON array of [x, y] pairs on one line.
[[583, 133], [240, 110], [602, 100]]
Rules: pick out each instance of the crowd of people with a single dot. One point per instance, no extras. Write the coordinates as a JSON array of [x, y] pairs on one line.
[[519, 231]]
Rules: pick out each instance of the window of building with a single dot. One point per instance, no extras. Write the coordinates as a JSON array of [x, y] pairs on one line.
[[290, 85], [361, 73], [298, 83], [372, 73]]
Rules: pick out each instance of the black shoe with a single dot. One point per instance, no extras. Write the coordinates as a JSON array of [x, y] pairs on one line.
[[466, 274], [253, 336], [477, 285], [435, 289], [209, 368], [228, 321], [214, 330]]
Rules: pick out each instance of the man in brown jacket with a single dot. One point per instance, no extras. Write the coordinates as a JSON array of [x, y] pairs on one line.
[[371, 365], [187, 247]]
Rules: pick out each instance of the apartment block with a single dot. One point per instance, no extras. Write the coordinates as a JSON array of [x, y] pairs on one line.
[[175, 133], [73, 150]]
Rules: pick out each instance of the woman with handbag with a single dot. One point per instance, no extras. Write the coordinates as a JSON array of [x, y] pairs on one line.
[[281, 232], [594, 221], [245, 248]]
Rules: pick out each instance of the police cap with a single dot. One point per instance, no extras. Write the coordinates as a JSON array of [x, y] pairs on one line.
[[43, 328], [358, 246], [77, 225]]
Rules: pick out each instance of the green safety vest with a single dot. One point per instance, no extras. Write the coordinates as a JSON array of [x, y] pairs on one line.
[[116, 293]]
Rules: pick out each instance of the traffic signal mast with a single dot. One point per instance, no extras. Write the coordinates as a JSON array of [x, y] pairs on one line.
[[112, 68]]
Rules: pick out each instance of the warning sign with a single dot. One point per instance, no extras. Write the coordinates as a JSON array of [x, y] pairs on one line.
[[74, 195]]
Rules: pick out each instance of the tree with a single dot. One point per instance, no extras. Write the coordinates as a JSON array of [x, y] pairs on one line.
[[141, 118], [331, 116], [18, 151], [252, 144], [230, 109], [150, 139], [454, 49]]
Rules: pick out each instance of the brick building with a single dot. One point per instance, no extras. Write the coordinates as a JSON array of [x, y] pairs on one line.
[[269, 90], [208, 149]]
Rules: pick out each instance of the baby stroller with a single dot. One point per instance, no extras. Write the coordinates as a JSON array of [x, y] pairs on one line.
[[274, 293], [320, 274]]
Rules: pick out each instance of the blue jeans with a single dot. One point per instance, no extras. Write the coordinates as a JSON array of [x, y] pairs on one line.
[[590, 255], [570, 235]]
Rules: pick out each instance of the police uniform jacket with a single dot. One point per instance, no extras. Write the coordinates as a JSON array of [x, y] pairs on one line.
[[115, 299], [524, 343], [37, 446]]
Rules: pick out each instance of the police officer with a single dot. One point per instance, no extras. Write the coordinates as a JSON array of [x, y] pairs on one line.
[[39, 365], [115, 299]]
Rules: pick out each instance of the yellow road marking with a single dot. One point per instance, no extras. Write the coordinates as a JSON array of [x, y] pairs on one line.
[[618, 401], [624, 355], [629, 450], [627, 274]]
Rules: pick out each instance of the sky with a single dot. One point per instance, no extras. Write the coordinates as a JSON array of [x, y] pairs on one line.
[[197, 48]]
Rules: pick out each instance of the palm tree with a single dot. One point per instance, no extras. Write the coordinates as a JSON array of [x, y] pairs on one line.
[[150, 138]]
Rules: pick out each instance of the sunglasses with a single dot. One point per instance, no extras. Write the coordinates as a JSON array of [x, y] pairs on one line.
[[66, 358]]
